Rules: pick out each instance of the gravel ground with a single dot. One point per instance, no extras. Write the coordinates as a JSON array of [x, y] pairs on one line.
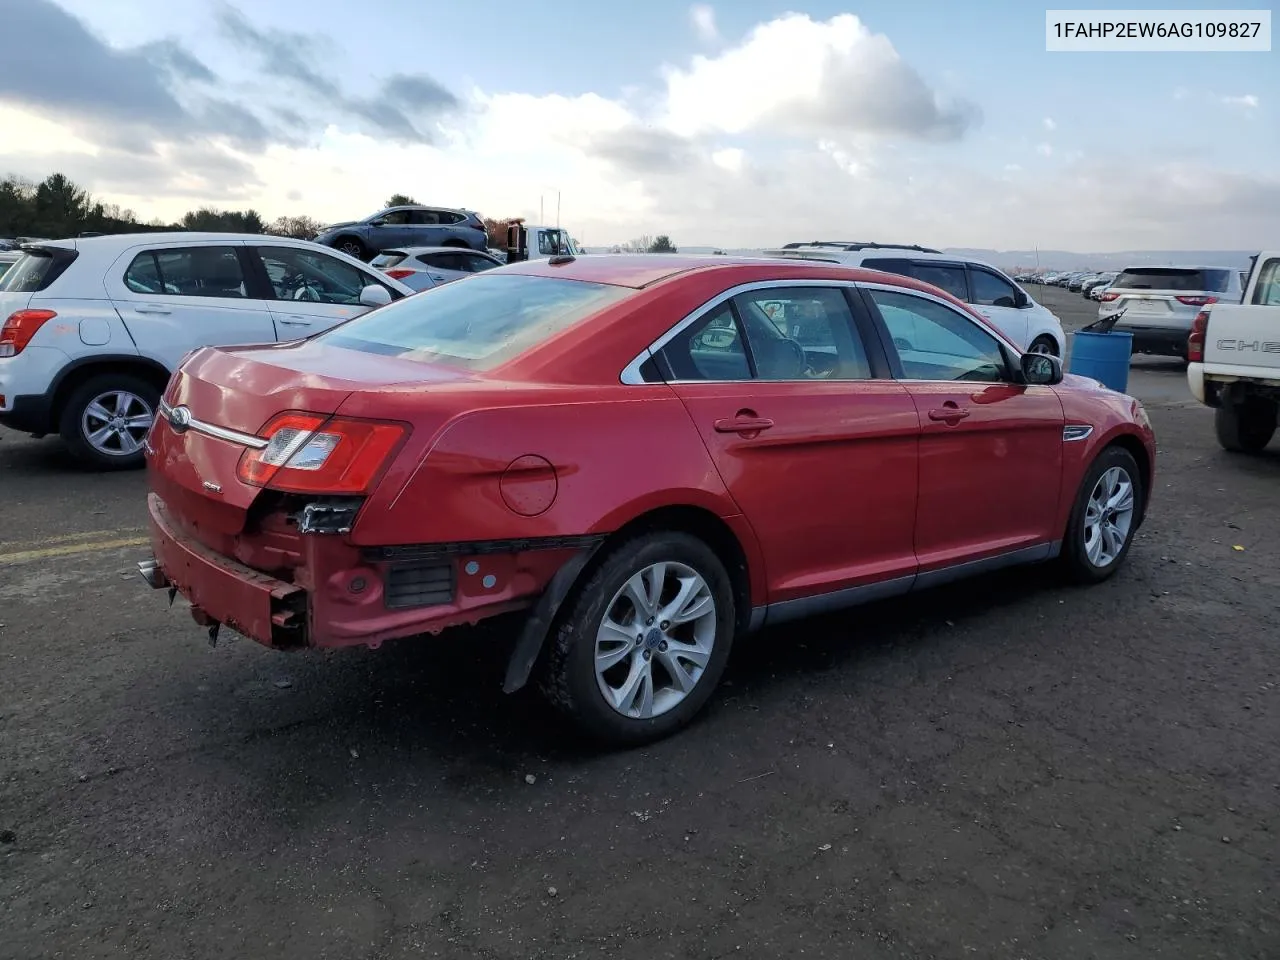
[[1007, 768]]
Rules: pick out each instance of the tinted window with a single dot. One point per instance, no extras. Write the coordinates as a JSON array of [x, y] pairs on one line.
[[36, 270], [308, 275], [935, 342], [386, 259], [394, 218], [802, 333], [478, 324], [1180, 279], [448, 218], [1267, 292], [479, 263], [709, 349], [889, 265], [991, 290], [948, 277], [424, 218], [187, 272], [445, 261]]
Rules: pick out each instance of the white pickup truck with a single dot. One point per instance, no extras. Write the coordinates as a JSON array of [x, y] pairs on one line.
[[1234, 354]]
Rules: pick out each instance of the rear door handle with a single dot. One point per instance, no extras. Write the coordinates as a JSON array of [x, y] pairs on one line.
[[162, 311], [295, 321], [950, 415], [743, 424]]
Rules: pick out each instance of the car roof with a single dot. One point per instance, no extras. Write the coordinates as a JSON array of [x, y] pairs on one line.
[[856, 253], [425, 206], [415, 251], [123, 241], [638, 270]]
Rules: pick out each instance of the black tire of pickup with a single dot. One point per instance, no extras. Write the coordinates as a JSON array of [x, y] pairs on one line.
[[1245, 427]]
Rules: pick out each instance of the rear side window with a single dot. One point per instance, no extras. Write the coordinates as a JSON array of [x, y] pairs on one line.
[[36, 270], [476, 325], [187, 272], [385, 260], [949, 277], [1179, 279], [1267, 292]]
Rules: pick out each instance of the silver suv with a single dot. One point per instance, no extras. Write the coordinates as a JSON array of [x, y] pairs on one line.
[[1160, 303]]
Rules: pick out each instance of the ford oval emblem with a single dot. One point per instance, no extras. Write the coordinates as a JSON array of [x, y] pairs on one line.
[[180, 419]]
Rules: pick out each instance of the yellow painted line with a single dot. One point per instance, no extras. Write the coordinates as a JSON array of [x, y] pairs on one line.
[[46, 553], [71, 537]]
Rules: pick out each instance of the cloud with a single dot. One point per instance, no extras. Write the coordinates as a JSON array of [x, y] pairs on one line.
[[798, 77], [703, 18], [125, 98], [1045, 150], [405, 108], [1049, 124], [1248, 101]]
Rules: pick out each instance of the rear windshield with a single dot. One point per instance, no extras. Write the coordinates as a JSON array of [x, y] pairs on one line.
[[384, 260], [476, 323], [1182, 279], [35, 271]]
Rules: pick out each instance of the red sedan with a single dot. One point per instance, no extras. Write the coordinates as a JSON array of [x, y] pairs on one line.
[[648, 455]]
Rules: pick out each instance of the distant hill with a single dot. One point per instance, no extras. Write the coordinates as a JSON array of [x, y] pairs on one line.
[[1024, 260]]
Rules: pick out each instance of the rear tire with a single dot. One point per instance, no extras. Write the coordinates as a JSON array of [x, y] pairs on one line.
[[602, 627], [106, 420], [1245, 427], [1105, 517]]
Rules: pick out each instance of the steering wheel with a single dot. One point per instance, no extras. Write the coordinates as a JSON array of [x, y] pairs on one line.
[[306, 292]]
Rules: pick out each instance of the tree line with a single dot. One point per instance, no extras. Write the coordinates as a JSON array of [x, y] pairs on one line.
[[57, 208]]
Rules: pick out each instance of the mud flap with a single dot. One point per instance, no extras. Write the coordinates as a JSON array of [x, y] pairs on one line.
[[538, 624]]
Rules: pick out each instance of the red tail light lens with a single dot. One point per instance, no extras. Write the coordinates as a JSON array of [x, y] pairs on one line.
[[1195, 342], [308, 453], [399, 274], [1197, 301], [1108, 297], [20, 328]]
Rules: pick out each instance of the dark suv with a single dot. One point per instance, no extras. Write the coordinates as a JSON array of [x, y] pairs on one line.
[[410, 226]]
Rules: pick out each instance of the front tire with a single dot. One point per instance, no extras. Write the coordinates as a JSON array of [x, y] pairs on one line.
[[106, 419], [643, 643], [352, 247], [1044, 344], [1246, 427], [1105, 517]]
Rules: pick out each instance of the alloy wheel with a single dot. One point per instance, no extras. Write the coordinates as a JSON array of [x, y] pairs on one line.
[[655, 640], [1108, 517], [115, 423]]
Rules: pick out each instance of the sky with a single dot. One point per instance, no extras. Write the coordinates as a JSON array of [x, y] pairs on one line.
[[736, 124]]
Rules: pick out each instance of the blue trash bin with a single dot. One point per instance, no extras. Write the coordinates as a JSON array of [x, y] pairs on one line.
[[1103, 357]]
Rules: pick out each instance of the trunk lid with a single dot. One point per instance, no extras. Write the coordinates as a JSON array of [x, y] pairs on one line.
[[231, 393]]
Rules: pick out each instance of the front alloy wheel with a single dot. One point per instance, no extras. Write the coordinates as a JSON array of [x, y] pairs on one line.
[[641, 644], [1105, 517]]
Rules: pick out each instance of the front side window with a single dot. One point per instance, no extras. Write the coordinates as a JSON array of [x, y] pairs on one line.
[[990, 290], [935, 342], [396, 218], [308, 275], [479, 324], [187, 272]]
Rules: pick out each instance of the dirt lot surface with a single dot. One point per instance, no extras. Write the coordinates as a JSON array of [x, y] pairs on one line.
[[1009, 768]]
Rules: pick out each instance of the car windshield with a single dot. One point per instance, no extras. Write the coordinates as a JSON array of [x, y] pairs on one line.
[[1174, 278], [476, 323]]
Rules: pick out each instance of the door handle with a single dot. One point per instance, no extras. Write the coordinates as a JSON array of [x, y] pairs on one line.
[[743, 424], [162, 311], [295, 321], [949, 415]]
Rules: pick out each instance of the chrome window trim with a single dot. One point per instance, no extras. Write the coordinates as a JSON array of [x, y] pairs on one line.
[[631, 372], [212, 430]]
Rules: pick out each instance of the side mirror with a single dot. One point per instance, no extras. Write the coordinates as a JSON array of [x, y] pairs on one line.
[[1040, 369], [380, 222], [375, 295], [1021, 301]]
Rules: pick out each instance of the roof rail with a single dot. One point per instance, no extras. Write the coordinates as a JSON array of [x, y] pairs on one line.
[[857, 245]]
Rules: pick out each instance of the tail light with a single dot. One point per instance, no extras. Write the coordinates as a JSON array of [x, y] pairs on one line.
[[1195, 342], [1108, 297], [20, 328], [308, 453], [398, 274], [1197, 301]]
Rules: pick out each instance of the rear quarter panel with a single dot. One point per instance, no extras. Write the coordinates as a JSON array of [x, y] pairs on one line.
[[550, 463]]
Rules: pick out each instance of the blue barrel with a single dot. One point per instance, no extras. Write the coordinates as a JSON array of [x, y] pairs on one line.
[[1103, 357]]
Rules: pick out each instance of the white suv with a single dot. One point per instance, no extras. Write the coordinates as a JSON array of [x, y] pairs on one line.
[[1006, 305], [91, 329]]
